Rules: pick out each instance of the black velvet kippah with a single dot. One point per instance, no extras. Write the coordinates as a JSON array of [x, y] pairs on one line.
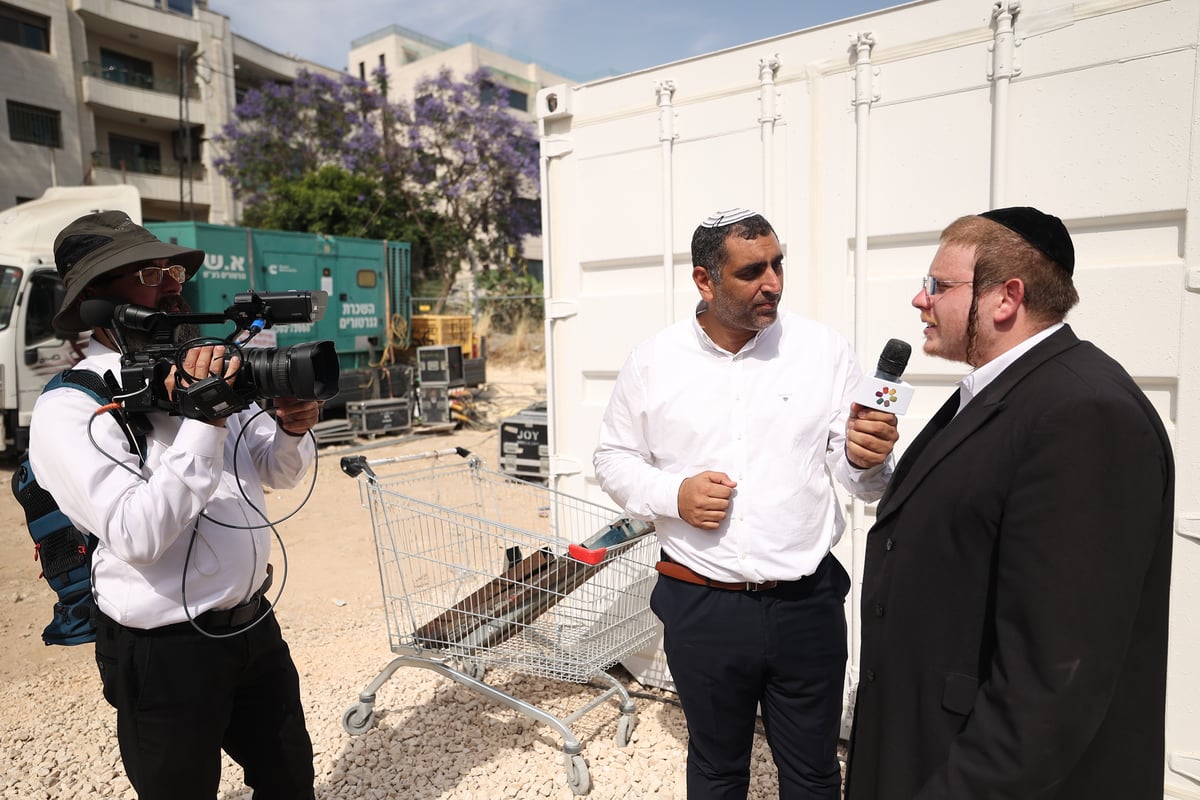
[[1044, 231]]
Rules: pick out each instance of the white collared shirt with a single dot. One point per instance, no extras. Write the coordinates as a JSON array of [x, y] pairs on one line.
[[978, 379], [772, 417], [145, 525]]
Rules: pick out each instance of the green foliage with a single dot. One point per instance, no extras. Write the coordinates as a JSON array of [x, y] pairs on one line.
[[330, 201], [510, 298]]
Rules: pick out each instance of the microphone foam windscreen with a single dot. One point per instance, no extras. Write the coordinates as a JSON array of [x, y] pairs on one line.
[[97, 313], [894, 358]]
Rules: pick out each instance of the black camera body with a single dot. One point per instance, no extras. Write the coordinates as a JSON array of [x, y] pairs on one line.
[[307, 371]]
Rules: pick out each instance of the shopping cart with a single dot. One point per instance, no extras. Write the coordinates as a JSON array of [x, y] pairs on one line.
[[480, 569]]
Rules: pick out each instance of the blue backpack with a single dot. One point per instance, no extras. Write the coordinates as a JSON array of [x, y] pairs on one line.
[[64, 551]]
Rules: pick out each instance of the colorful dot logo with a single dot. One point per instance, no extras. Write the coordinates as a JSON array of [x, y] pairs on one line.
[[885, 396]]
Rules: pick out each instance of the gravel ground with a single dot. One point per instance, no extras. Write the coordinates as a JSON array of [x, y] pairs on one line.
[[430, 737]]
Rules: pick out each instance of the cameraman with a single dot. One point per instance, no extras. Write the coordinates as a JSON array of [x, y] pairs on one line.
[[189, 651]]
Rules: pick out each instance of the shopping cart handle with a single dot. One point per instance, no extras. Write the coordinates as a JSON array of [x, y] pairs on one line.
[[355, 466], [581, 553]]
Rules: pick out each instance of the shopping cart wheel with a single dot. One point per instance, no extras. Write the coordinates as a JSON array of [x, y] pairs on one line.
[[625, 726], [577, 775], [358, 718]]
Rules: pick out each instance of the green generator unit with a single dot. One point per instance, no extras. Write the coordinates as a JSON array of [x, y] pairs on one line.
[[368, 282]]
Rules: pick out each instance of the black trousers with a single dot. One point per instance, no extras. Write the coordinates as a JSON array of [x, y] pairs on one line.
[[784, 649], [182, 697]]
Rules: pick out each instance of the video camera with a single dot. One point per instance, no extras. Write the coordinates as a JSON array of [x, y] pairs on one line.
[[307, 371]]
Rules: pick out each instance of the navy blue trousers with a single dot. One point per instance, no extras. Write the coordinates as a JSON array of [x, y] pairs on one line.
[[784, 649], [182, 697]]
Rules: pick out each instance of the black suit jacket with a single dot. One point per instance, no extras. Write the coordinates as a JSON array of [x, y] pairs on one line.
[[1015, 594]]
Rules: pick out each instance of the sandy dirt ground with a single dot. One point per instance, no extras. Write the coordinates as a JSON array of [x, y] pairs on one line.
[[430, 737]]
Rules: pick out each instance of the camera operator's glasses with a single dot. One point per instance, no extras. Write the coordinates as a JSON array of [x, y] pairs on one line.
[[153, 276]]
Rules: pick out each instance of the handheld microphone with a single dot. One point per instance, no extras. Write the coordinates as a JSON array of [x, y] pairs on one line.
[[885, 391]]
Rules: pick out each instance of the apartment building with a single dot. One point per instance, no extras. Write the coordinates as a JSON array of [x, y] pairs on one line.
[[125, 91], [409, 56], [129, 91]]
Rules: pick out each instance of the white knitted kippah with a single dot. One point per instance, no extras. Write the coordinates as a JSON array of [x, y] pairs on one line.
[[727, 217]]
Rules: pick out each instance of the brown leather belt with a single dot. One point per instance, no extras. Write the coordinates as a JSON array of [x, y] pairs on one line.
[[673, 569]]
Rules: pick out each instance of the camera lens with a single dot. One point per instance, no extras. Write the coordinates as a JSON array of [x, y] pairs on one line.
[[306, 371]]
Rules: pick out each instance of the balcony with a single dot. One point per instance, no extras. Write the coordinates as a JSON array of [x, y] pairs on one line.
[[138, 80], [155, 180], [155, 28], [131, 95]]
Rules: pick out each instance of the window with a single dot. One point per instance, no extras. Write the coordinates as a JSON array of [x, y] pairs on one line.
[[488, 92], [182, 6], [35, 125], [134, 155], [45, 295], [10, 284], [25, 29], [185, 145], [366, 278], [131, 71]]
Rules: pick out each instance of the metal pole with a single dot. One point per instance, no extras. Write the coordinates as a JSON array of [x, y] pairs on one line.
[[664, 90], [1003, 69], [178, 160]]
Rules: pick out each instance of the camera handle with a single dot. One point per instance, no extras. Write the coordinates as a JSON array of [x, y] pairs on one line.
[[209, 399]]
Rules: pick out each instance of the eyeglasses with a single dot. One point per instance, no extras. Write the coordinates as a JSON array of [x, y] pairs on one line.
[[153, 276], [933, 285]]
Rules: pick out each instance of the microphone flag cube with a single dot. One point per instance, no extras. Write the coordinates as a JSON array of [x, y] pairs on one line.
[[892, 396]]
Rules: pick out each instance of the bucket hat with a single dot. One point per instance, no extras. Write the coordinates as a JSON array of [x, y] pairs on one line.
[[95, 245]]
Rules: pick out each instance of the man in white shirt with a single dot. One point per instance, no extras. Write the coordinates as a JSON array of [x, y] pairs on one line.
[[189, 651], [1016, 584], [727, 430]]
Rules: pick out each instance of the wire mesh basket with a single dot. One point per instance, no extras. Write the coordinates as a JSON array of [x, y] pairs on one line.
[[482, 570]]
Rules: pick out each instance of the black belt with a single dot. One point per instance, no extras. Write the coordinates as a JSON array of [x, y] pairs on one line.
[[239, 615]]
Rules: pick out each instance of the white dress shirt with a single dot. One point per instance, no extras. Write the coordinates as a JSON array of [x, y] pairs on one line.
[[772, 417], [145, 524]]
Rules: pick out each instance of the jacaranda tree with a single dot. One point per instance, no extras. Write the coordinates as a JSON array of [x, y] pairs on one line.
[[463, 155], [453, 171], [282, 133]]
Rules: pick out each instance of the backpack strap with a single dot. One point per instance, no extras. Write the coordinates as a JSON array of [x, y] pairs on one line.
[[102, 389]]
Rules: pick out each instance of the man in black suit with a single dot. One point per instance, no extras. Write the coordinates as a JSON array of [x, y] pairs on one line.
[[1015, 595]]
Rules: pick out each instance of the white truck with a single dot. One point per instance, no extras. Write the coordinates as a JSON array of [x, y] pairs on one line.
[[31, 352], [860, 140]]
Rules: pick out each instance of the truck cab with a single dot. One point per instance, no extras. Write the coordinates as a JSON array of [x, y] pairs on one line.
[[31, 351]]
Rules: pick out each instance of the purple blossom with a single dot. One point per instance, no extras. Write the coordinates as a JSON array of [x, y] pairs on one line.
[[462, 168]]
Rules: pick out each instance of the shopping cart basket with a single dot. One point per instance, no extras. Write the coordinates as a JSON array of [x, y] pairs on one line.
[[481, 569]]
